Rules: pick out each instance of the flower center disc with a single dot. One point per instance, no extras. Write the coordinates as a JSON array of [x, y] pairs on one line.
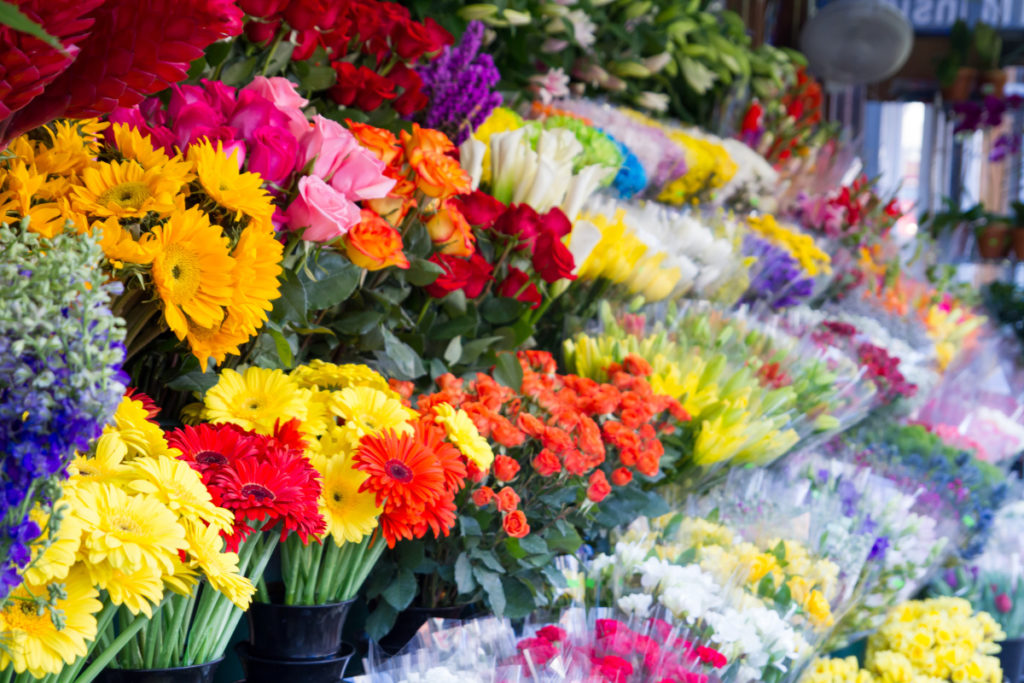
[[130, 195], [211, 458], [261, 493], [398, 471], [181, 271]]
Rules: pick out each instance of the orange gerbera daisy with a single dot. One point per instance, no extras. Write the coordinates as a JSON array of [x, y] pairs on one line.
[[402, 468]]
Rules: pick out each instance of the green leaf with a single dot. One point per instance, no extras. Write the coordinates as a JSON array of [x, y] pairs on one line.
[[514, 549], [284, 349], [464, 575], [555, 577], [402, 590], [195, 381], [493, 590], [402, 361], [454, 351], [472, 350], [313, 77], [463, 325], [218, 52], [520, 601], [562, 537], [779, 551], [410, 554], [333, 280], [423, 272], [291, 305], [501, 310], [11, 16], [417, 241], [688, 556], [241, 72], [508, 371], [784, 596], [766, 588], [487, 558], [533, 544], [282, 55], [468, 526], [381, 621], [358, 323]]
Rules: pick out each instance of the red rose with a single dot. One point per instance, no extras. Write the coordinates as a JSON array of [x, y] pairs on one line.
[[552, 633], [262, 8], [412, 98], [411, 40], [303, 15], [518, 286], [360, 86], [483, 496], [505, 468], [481, 273], [621, 476], [551, 259], [515, 524], [439, 35], [599, 488], [556, 222], [480, 208], [305, 44], [519, 221], [455, 276], [508, 499], [547, 463], [261, 32]]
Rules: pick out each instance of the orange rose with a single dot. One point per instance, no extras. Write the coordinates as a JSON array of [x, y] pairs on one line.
[[449, 230], [599, 488], [621, 476], [483, 496], [381, 142], [426, 139], [515, 524], [438, 175], [392, 209], [505, 468], [373, 244], [508, 499]]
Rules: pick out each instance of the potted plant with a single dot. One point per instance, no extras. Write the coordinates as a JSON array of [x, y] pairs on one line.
[[993, 236], [988, 46], [956, 76], [1017, 237]]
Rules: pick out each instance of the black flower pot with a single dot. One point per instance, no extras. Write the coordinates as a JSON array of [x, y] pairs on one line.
[[1011, 659], [265, 670], [295, 632], [199, 673], [409, 622]]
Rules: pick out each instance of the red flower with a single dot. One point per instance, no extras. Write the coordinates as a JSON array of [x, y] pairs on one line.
[[479, 208], [412, 98], [303, 15], [515, 524], [508, 499], [518, 286], [599, 487], [614, 669], [263, 8], [210, 448], [552, 633], [470, 275], [483, 496], [547, 463], [505, 468], [621, 476], [412, 40], [551, 259], [539, 649], [711, 656], [360, 87]]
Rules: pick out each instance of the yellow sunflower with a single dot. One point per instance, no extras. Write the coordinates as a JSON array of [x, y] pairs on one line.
[[257, 266], [73, 147], [216, 342], [180, 488], [221, 568], [120, 246], [192, 271], [124, 189], [32, 642], [240, 192], [135, 146], [463, 433], [130, 532], [350, 515], [24, 185], [255, 400], [368, 411]]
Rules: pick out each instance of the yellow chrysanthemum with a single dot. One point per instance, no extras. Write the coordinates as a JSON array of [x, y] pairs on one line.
[[123, 189], [135, 146], [31, 641], [205, 547], [216, 342], [368, 411], [463, 433], [130, 531], [230, 188], [192, 271], [257, 265], [255, 400], [120, 246], [351, 515], [180, 488], [133, 428]]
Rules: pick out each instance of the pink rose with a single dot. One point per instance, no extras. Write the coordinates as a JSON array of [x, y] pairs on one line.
[[254, 111], [220, 96], [343, 162], [194, 120], [361, 176], [322, 211], [286, 98], [328, 142], [272, 153]]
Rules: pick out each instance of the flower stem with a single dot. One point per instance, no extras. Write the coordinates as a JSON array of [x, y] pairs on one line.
[[273, 48], [99, 662], [231, 615]]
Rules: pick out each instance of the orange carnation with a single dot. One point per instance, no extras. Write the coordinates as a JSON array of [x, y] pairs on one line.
[[515, 524], [438, 175], [373, 244], [381, 142]]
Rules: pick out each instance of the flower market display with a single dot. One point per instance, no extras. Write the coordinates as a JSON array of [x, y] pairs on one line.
[[429, 342]]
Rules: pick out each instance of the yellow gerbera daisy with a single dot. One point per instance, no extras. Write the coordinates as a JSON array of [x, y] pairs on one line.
[[106, 465], [31, 641], [461, 430], [240, 192], [137, 588], [53, 561], [124, 189], [220, 568], [336, 377], [255, 400], [120, 245], [368, 411], [133, 428], [350, 514], [137, 147], [130, 531], [192, 271], [216, 342], [179, 487], [257, 265]]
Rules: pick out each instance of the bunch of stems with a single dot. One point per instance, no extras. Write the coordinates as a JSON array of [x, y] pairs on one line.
[[322, 573]]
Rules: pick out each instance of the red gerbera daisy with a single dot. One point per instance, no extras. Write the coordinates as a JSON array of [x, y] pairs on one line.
[[210, 448], [402, 470]]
